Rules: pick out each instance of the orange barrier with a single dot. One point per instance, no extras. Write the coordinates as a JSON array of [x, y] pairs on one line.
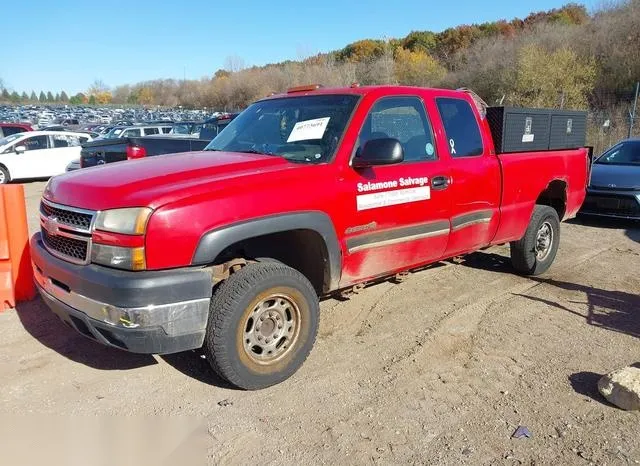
[[16, 276]]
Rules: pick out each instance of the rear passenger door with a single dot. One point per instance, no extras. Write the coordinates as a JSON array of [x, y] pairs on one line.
[[398, 217], [475, 178]]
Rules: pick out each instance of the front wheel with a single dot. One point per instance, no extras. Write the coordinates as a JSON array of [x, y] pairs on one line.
[[263, 322], [534, 253], [4, 175]]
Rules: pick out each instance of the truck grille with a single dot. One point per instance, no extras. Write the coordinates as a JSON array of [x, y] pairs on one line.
[[68, 247], [66, 231], [71, 218]]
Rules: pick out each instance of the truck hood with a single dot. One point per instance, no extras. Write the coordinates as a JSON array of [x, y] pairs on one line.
[[156, 181], [620, 176]]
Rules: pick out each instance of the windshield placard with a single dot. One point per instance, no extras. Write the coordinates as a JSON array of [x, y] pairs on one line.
[[309, 130]]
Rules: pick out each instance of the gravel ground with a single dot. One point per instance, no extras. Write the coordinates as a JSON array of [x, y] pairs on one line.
[[439, 369]]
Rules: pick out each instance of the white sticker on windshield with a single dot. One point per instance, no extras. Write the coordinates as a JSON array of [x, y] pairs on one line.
[[309, 129]]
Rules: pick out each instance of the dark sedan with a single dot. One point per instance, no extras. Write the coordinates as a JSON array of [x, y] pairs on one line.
[[614, 190]]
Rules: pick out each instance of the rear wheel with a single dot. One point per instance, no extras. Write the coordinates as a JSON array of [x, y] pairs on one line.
[[262, 325], [4, 175], [534, 253]]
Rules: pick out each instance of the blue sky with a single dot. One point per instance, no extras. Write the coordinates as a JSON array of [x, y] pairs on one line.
[[62, 44]]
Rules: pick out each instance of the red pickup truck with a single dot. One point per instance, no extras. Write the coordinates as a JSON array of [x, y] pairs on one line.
[[304, 194]]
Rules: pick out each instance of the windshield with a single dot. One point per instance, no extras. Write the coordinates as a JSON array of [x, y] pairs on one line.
[[305, 129], [627, 153], [10, 139]]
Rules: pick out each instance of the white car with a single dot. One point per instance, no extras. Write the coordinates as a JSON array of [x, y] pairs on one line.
[[38, 154]]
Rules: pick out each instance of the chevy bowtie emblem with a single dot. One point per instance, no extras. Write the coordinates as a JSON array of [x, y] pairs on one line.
[[51, 225]]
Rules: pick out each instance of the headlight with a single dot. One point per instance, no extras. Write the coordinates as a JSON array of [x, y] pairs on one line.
[[638, 197], [118, 257], [130, 221]]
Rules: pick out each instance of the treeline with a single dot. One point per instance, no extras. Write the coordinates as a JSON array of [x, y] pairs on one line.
[[562, 57]]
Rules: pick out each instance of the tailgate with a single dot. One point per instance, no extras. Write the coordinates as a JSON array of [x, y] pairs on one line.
[[103, 151]]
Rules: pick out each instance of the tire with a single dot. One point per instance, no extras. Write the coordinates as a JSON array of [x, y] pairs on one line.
[[528, 255], [4, 175], [265, 306]]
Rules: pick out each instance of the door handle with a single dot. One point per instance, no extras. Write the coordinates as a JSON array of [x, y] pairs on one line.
[[439, 183]]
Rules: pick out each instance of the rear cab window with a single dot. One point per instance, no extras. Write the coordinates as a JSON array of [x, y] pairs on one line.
[[461, 127]]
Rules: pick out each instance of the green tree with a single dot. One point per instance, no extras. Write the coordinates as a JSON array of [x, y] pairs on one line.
[[33, 97], [49, 97], [5, 94], [92, 100], [551, 79], [24, 97], [15, 97], [43, 97], [424, 41], [64, 97], [57, 97]]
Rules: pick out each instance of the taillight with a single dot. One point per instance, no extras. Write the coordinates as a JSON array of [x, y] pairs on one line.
[[136, 152]]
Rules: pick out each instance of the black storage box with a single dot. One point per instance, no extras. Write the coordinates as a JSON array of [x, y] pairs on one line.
[[535, 129]]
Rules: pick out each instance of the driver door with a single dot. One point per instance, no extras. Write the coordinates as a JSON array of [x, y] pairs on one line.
[[398, 215]]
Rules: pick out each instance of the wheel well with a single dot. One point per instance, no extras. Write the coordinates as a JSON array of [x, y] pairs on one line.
[[303, 250], [555, 195]]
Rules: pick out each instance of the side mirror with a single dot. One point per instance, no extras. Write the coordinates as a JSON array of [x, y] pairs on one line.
[[20, 149], [383, 151]]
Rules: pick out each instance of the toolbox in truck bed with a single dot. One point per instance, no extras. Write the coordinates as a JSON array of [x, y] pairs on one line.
[[534, 129]]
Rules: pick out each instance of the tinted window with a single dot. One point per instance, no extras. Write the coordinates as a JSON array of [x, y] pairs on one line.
[[166, 130], [627, 153], [35, 143], [461, 127], [149, 131], [404, 119], [8, 130]]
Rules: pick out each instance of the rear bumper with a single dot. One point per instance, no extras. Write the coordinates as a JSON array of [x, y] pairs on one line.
[[154, 312]]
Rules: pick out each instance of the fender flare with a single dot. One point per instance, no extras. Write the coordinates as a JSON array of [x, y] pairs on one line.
[[213, 242]]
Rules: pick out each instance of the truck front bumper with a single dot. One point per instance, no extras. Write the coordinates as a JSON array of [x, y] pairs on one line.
[[155, 312]]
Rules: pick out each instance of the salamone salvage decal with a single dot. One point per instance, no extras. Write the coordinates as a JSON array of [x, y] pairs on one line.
[[384, 193]]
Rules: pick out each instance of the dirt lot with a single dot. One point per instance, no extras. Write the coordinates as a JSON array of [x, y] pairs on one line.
[[440, 369]]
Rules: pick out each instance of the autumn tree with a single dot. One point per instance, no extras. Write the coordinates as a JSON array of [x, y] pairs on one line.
[[362, 51], [418, 68], [145, 96], [552, 79]]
